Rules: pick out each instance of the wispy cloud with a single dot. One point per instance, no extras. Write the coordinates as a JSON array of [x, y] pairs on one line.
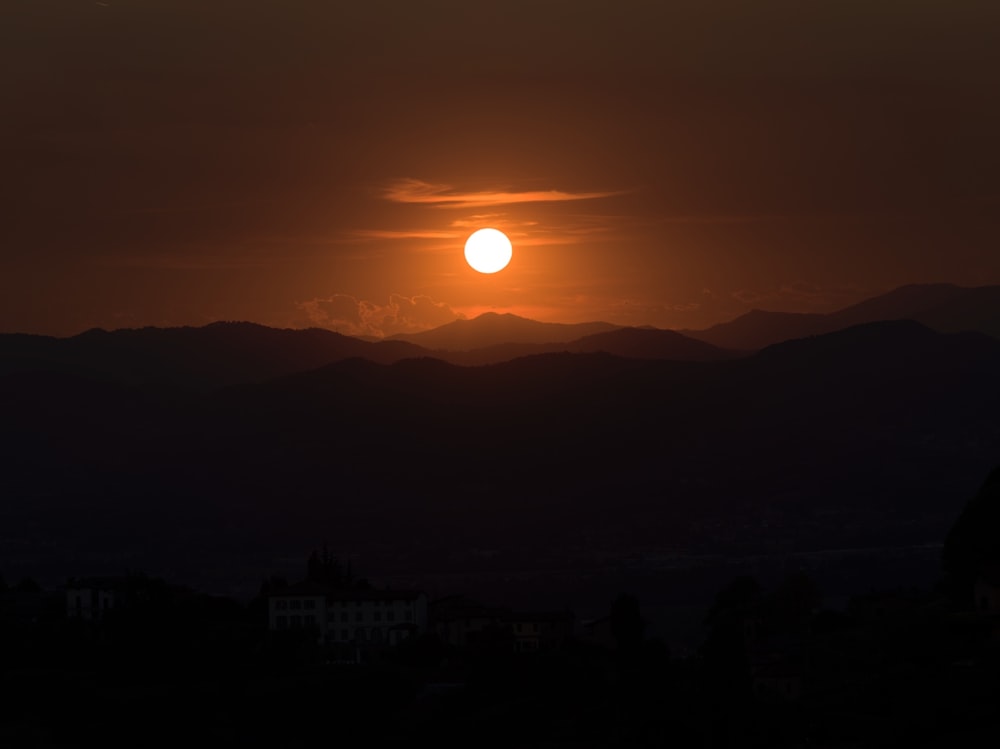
[[446, 196], [522, 233], [479, 220], [799, 295], [359, 317]]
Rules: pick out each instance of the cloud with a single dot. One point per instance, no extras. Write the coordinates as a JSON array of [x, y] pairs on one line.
[[521, 233], [445, 196], [479, 220], [359, 317], [798, 295]]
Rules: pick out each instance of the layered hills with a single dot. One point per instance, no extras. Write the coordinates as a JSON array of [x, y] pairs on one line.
[[943, 307], [229, 353], [492, 329], [874, 435]]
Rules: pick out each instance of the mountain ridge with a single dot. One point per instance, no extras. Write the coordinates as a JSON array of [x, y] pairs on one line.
[[873, 434], [492, 328], [229, 352], [947, 308], [224, 353]]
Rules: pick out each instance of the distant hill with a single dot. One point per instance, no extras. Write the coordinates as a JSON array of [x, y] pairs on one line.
[[230, 353], [942, 307], [212, 356], [633, 343], [491, 329]]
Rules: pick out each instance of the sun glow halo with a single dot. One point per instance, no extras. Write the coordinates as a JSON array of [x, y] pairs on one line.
[[488, 250]]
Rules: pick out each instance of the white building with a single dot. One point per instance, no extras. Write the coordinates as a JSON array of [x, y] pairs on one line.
[[92, 598], [360, 617]]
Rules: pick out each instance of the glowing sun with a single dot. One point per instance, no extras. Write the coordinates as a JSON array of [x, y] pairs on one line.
[[488, 250]]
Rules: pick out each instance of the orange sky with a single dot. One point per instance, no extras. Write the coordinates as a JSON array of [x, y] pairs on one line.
[[295, 163]]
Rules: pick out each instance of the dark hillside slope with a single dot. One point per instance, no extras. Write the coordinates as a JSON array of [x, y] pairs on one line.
[[875, 435], [634, 343], [202, 358], [492, 329]]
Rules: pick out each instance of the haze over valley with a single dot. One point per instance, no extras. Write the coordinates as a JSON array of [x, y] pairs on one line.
[[213, 455]]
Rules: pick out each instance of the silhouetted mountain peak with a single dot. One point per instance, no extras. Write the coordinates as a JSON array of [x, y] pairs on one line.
[[494, 328], [92, 333], [486, 316], [941, 306]]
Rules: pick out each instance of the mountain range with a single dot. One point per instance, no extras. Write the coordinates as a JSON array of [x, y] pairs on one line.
[[216, 451], [228, 353]]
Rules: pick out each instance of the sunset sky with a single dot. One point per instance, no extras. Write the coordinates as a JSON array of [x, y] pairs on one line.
[[308, 162]]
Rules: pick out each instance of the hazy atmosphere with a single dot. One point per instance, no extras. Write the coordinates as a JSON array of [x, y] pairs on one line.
[[499, 374], [295, 164]]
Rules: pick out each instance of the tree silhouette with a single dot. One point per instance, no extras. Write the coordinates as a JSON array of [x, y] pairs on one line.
[[794, 602], [725, 648], [737, 600], [324, 568], [28, 585], [627, 625], [973, 543]]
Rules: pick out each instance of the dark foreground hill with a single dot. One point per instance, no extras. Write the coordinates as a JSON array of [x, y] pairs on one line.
[[871, 437]]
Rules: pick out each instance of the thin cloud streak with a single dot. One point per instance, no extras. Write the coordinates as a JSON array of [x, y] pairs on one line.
[[478, 221], [800, 295], [444, 196], [362, 234]]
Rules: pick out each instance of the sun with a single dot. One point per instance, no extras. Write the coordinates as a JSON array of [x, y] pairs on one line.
[[488, 250]]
